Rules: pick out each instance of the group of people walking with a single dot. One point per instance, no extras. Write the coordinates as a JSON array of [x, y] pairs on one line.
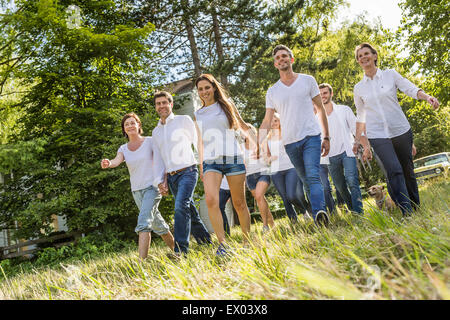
[[303, 135]]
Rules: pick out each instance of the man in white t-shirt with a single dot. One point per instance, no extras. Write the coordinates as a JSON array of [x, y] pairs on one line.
[[292, 97], [342, 161], [174, 136]]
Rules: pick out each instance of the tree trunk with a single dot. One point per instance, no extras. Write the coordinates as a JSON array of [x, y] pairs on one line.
[[219, 47], [192, 42]]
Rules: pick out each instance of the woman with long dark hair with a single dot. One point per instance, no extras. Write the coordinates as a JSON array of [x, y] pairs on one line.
[[220, 155]]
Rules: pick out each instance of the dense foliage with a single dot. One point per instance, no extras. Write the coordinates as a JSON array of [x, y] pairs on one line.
[[69, 70]]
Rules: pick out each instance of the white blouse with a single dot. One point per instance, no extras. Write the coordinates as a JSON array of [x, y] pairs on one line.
[[377, 104]]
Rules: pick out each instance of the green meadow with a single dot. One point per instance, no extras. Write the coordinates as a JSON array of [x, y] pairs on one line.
[[378, 256]]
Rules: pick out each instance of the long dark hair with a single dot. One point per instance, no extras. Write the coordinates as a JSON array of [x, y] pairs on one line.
[[221, 96]]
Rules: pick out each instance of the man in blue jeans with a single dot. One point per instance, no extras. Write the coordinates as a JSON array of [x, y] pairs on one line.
[[342, 160], [292, 97], [174, 137]]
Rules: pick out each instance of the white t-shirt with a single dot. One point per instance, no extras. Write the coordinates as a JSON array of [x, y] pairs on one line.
[[377, 104], [218, 139], [342, 128], [174, 141], [283, 162], [145, 167], [295, 106], [253, 165]]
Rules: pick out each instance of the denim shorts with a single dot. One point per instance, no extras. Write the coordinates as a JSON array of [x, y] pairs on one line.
[[149, 218], [227, 166], [253, 179]]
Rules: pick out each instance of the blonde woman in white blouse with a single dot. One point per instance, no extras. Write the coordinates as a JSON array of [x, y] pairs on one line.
[[381, 118]]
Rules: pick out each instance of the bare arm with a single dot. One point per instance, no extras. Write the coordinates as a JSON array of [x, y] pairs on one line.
[[106, 163], [361, 139], [265, 125], [322, 115], [421, 95]]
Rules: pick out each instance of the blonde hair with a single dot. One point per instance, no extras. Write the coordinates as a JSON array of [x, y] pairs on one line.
[[276, 115]]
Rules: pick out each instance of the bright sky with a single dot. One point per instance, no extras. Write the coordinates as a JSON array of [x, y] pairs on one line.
[[388, 11]]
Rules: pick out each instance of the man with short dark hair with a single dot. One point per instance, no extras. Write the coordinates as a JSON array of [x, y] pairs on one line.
[[342, 161], [292, 97], [174, 136]]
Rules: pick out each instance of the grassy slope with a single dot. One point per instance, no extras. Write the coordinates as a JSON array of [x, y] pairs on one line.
[[379, 256]]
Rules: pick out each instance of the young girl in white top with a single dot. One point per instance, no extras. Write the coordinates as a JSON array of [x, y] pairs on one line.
[[220, 154], [144, 169], [283, 173], [258, 179], [380, 116]]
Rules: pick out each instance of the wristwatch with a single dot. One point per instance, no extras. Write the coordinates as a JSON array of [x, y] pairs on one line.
[[327, 138]]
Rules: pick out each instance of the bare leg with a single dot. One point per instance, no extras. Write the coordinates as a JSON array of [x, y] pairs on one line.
[[261, 201], [144, 244], [168, 239], [237, 189], [211, 181]]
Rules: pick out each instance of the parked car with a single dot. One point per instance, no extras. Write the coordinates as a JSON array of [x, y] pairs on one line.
[[432, 166]]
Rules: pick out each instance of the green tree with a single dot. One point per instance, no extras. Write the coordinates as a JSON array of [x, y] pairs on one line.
[[82, 77], [425, 33]]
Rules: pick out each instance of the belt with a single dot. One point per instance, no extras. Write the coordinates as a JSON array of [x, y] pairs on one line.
[[178, 171]]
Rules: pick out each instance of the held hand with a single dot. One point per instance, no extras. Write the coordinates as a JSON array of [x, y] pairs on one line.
[[325, 147], [433, 102], [163, 188], [367, 154], [105, 163]]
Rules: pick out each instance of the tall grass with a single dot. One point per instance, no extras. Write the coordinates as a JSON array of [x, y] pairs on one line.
[[378, 256]]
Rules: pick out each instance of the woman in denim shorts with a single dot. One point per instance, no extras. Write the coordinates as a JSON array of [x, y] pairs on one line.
[[258, 179], [143, 166], [220, 155]]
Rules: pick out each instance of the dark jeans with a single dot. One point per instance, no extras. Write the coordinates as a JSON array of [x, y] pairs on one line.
[[344, 172], [224, 196], [290, 188], [305, 156], [329, 201], [186, 217], [396, 156]]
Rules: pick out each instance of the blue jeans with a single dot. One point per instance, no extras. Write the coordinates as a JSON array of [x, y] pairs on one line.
[[305, 156], [396, 156], [290, 188], [224, 196], [344, 172], [186, 217], [149, 219], [329, 201]]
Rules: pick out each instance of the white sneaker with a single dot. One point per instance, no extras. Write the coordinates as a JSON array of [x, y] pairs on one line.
[[321, 219]]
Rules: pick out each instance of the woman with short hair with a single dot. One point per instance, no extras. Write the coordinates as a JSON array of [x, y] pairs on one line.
[[381, 118], [144, 166]]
